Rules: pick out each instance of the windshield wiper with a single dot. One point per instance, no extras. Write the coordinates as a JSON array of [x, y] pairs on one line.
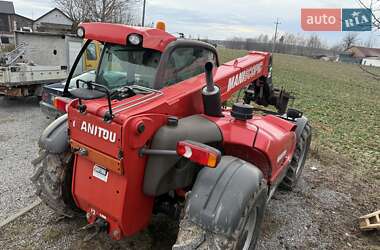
[[137, 89], [143, 89]]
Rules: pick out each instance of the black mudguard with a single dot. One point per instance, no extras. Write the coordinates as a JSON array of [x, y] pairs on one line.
[[54, 138], [162, 172], [219, 196]]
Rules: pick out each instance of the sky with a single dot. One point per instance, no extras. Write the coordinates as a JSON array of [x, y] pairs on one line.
[[221, 19]]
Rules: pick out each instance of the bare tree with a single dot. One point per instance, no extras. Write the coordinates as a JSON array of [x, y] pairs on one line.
[[374, 6], [337, 48], [314, 42], [300, 40], [290, 39], [236, 43], [349, 40], [114, 11]]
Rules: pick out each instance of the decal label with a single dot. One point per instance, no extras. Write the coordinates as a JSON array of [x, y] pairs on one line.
[[244, 76], [97, 131], [100, 173]]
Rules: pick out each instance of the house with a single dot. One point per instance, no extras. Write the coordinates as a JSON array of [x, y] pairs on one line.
[[371, 61], [54, 21], [10, 21], [6, 24], [363, 52], [358, 55]]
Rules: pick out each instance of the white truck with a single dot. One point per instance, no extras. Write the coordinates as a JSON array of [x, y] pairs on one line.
[[38, 59], [23, 79]]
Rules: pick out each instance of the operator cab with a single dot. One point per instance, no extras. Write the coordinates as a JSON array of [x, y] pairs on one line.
[[138, 60]]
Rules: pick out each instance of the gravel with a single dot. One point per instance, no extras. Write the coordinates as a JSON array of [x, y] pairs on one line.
[[21, 123], [313, 216]]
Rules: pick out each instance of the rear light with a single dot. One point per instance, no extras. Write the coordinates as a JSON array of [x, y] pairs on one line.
[[61, 104], [199, 153]]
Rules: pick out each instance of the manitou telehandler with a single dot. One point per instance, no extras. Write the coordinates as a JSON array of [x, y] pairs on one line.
[[151, 134]]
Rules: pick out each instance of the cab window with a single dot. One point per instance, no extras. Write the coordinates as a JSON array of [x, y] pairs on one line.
[[91, 52], [128, 65], [185, 63]]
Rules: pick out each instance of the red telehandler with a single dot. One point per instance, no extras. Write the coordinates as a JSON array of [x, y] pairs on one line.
[[152, 135]]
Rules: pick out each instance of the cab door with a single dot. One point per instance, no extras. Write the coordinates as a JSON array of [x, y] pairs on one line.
[[92, 56]]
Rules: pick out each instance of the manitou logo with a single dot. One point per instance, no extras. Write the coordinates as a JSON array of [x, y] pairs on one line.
[[98, 131], [244, 76]]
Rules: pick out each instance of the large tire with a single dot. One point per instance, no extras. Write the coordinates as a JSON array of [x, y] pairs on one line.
[[298, 161], [193, 236], [53, 178]]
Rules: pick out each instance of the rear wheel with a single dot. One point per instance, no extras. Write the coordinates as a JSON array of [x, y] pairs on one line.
[[192, 236], [53, 179], [298, 161]]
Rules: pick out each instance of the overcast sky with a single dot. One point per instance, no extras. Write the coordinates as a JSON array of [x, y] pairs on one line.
[[221, 19]]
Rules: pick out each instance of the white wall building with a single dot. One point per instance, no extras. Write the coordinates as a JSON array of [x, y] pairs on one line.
[[53, 21], [371, 61]]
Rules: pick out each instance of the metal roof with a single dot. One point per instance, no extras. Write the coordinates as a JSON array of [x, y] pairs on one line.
[[7, 7], [361, 52]]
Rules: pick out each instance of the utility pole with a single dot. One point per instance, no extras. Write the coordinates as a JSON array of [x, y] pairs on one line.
[[143, 15], [275, 36]]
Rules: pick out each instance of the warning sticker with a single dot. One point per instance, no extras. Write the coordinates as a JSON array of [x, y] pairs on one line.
[[100, 173]]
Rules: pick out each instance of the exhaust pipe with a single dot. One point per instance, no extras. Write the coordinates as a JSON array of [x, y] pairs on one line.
[[211, 94]]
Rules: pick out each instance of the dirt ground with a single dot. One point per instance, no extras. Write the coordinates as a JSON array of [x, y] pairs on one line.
[[320, 214], [21, 124]]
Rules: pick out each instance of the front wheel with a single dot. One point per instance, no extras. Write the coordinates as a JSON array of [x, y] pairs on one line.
[[192, 236], [297, 163]]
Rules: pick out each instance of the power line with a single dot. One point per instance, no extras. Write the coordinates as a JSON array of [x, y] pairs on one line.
[[275, 36]]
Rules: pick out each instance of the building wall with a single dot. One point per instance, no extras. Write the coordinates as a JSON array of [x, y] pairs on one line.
[[54, 17], [371, 62], [6, 29], [5, 23], [22, 22], [44, 49]]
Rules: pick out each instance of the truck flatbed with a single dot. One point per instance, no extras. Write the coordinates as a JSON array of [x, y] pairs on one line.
[[21, 79]]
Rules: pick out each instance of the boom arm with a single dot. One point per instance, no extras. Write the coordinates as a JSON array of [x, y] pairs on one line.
[[255, 72], [241, 72]]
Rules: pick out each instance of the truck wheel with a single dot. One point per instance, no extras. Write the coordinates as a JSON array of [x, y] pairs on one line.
[[192, 236], [298, 161], [53, 179]]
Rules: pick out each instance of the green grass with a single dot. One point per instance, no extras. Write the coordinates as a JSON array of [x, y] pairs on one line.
[[341, 101]]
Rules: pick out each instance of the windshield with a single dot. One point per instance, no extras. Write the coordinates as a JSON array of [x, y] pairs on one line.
[[126, 65]]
